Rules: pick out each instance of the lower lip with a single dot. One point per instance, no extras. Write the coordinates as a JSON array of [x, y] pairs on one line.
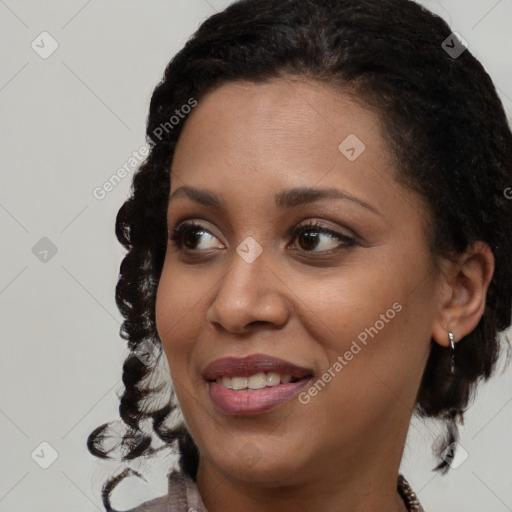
[[253, 402]]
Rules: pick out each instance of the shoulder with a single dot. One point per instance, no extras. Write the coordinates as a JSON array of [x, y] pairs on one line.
[[183, 495], [162, 504]]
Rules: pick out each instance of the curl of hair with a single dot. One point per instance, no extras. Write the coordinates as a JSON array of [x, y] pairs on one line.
[[443, 121]]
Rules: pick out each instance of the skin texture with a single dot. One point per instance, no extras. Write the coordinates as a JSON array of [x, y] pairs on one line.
[[245, 142]]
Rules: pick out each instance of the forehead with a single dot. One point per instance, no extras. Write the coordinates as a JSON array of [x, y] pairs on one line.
[[284, 126], [298, 114]]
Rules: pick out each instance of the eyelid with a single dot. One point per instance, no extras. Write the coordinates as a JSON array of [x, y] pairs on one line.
[[316, 224], [193, 222], [345, 240]]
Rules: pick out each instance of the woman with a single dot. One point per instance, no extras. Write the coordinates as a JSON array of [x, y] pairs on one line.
[[319, 242]]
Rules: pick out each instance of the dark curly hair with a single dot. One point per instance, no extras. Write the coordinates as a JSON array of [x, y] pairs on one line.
[[450, 141]]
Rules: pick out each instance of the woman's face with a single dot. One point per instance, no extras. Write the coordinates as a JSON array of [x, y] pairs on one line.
[[307, 267]]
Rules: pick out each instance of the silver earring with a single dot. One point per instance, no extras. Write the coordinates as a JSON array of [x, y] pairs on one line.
[[451, 337]]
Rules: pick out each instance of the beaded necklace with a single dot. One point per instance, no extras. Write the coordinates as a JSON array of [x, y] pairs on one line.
[[410, 499]]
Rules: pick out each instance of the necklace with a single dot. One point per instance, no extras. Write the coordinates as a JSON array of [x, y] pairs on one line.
[[410, 499]]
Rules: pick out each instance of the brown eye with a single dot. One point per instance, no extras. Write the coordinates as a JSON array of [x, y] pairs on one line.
[[315, 238], [308, 240], [190, 236]]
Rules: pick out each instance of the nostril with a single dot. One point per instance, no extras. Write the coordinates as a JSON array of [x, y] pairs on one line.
[[259, 323]]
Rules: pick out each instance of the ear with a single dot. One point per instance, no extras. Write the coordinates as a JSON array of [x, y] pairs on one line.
[[464, 285]]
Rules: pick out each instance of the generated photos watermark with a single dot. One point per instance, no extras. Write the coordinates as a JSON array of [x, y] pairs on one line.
[[137, 156], [343, 360], [455, 455]]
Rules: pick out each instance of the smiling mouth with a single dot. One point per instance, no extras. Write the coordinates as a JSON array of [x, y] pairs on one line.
[[257, 381], [254, 384]]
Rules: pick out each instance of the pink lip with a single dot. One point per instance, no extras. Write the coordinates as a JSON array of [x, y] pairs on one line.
[[236, 403], [240, 403], [250, 365]]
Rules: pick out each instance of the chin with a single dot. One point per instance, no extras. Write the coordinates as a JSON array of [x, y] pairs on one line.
[[265, 466]]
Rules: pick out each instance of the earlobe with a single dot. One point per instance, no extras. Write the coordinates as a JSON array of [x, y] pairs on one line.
[[462, 301]]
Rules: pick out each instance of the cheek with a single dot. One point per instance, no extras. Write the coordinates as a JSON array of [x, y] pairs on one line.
[[177, 312], [180, 313], [337, 307], [178, 302], [371, 364], [377, 317]]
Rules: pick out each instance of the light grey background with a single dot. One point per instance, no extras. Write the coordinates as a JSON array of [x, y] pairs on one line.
[[68, 122]]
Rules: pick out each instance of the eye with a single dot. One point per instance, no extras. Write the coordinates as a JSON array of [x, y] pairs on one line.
[[313, 237], [193, 236]]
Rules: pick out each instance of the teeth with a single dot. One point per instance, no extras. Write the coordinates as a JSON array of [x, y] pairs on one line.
[[273, 379], [256, 381], [239, 382], [226, 381]]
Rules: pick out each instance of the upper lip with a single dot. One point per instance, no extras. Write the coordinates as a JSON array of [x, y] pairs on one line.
[[250, 365]]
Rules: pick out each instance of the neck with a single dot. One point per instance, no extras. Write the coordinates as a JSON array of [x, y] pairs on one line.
[[367, 483]]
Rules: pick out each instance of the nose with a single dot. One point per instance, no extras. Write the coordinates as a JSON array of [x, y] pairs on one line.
[[250, 295]]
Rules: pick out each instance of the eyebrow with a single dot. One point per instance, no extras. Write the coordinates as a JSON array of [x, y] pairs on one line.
[[285, 199]]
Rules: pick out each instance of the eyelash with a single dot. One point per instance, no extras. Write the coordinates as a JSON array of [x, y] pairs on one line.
[[176, 235]]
